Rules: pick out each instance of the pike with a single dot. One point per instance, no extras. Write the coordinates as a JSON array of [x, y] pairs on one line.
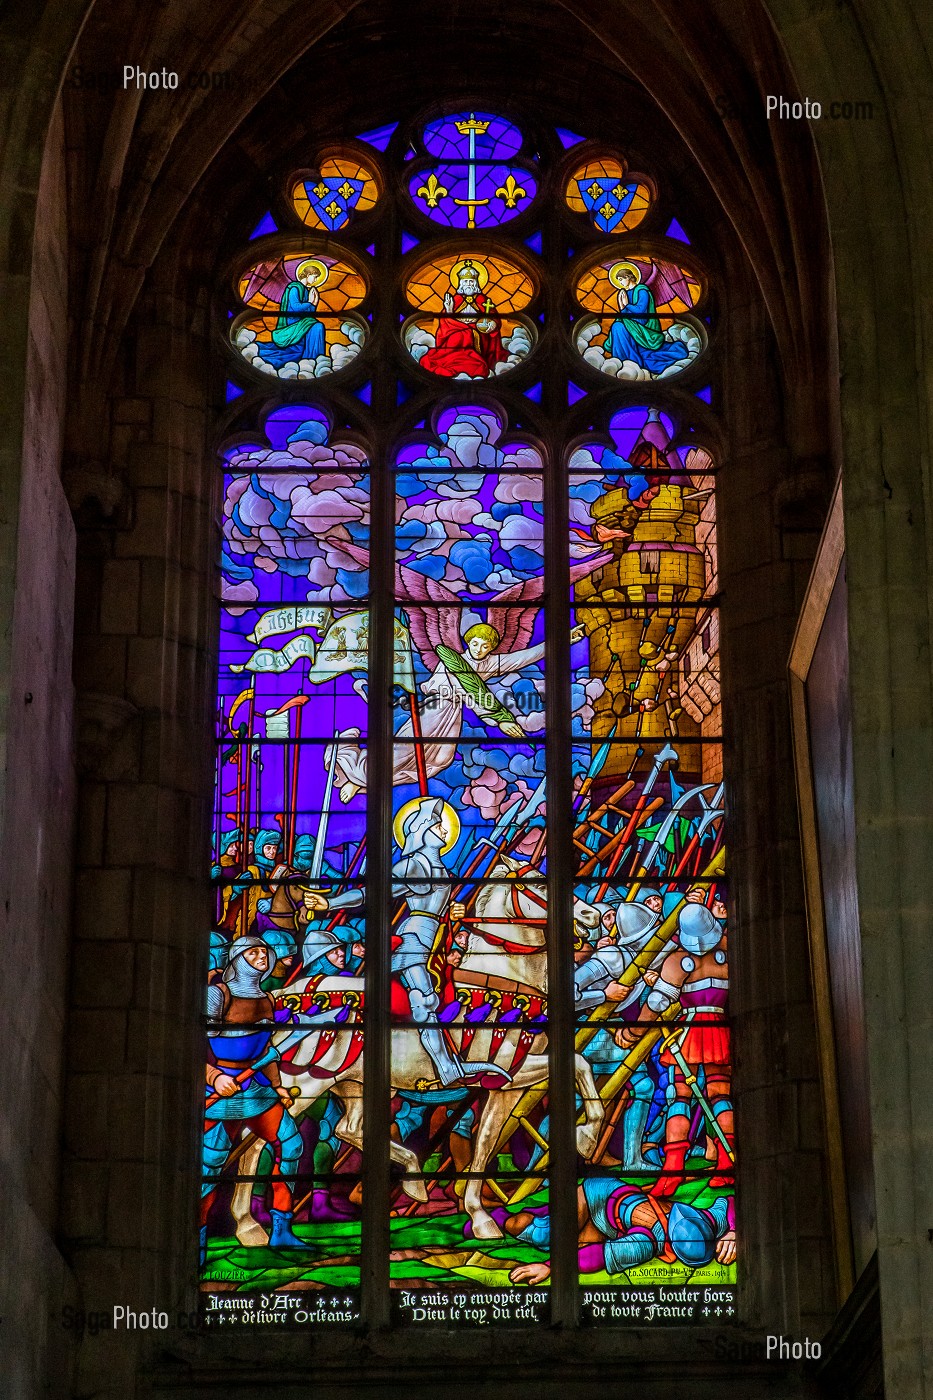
[[666, 755], [711, 812], [666, 827], [503, 835]]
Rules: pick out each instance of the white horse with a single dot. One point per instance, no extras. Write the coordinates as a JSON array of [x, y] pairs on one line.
[[505, 954]]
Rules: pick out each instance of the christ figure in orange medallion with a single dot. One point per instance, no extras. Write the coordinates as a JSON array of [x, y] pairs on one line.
[[469, 338]]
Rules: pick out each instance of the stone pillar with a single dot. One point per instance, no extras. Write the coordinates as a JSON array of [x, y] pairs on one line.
[[36, 774], [879, 191]]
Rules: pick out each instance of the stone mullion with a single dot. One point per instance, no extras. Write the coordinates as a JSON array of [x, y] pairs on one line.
[[377, 1117], [562, 1172]]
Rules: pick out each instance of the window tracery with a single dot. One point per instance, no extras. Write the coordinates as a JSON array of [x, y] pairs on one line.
[[547, 714]]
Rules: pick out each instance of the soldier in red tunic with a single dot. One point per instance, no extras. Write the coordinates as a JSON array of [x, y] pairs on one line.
[[697, 976]]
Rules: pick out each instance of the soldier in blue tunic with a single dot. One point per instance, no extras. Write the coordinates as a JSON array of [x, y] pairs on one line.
[[243, 1085]]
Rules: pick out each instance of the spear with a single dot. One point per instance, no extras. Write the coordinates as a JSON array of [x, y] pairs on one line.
[[627, 979], [595, 768], [665, 755]]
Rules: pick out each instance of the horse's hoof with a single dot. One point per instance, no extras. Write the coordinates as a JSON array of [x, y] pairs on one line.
[[252, 1235], [415, 1189], [485, 1228], [586, 1142]]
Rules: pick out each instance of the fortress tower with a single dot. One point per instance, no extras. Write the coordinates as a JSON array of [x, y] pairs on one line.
[[641, 611]]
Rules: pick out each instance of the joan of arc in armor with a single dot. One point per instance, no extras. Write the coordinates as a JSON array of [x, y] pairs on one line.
[[420, 878], [243, 1085]]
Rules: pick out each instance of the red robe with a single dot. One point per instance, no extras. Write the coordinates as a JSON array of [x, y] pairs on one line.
[[459, 348]]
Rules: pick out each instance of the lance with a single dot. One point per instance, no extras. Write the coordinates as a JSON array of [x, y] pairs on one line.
[[666, 755], [513, 816], [293, 798], [672, 1043], [418, 744], [246, 769], [501, 836]]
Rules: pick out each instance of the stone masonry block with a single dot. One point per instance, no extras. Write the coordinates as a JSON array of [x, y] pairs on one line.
[[102, 973], [97, 1040], [119, 603], [103, 903]]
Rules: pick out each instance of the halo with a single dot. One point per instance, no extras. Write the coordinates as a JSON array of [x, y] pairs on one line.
[[313, 265], [482, 272], [448, 817], [620, 267]]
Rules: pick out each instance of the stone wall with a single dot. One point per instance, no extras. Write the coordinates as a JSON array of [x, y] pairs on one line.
[[38, 827]]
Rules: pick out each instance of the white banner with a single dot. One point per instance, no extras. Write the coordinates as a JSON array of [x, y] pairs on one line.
[[290, 619], [344, 647], [265, 659]]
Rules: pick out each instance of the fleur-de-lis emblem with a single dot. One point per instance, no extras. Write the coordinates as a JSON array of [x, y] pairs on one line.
[[620, 191], [433, 191], [607, 210], [511, 192], [346, 189], [333, 209], [320, 189]]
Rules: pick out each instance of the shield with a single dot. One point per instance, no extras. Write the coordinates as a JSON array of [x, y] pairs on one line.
[[607, 200], [333, 199]]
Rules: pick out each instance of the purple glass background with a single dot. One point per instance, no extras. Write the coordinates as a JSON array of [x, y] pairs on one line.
[[500, 141], [488, 179]]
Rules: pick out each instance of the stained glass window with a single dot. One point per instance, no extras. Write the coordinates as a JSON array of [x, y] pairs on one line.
[[467, 1028]]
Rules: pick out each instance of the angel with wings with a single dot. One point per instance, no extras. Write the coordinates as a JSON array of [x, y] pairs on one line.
[[636, 332], [464, 671]]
